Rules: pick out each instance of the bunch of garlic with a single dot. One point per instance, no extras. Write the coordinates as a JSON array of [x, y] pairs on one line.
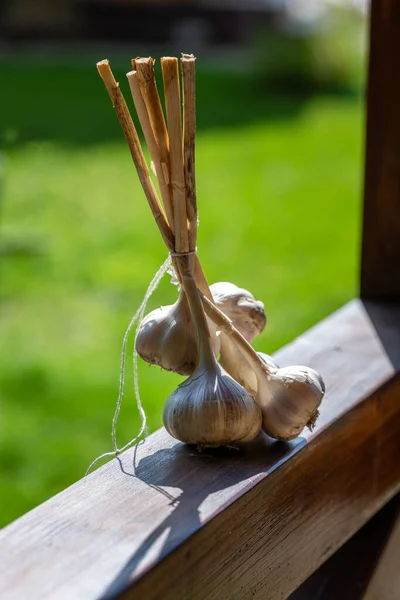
[[220, 402], [199, 410]]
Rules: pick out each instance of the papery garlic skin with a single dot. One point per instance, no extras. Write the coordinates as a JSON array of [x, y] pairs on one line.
[[289, 399], [245, 312], [211, 409], [167, 338]]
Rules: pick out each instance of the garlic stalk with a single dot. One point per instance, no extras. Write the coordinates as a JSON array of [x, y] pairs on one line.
[[209, 408], [249, 318], [289, 397]]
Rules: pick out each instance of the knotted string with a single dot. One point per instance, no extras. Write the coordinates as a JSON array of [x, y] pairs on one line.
[[138, 317]]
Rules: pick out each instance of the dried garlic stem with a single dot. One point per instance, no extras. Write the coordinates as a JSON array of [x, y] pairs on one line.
[[148, 88], [170, 73], [201, 278], [189, 133], [156, 158], [139, 160], [206, 354], [149, 137]]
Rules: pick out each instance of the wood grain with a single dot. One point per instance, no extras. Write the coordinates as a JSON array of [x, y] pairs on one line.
[[380, 269], [251, 523]]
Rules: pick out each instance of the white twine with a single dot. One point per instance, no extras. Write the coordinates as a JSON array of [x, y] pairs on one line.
[[138, 317]]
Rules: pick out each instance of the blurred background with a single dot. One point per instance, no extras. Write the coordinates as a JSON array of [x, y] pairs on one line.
[[280, 111]]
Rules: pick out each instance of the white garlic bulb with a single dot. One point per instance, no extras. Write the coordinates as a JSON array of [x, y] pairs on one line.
[[209, 408], [167, 338], [289, 399], [245, 312]]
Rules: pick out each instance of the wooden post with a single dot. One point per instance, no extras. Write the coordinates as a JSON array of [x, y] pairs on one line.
[[380, 268]]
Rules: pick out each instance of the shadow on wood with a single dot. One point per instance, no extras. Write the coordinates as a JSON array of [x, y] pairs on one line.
[[221, 468]]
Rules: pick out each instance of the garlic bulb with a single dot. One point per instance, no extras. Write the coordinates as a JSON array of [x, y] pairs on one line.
[[241, 307], [209, 408], [248, 316], [167, 338], [289, 397]]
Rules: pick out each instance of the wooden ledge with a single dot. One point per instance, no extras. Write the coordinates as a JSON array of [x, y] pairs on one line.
[[174, 524]]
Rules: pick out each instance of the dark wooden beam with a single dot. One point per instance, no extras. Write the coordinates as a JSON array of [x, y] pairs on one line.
[[380, 268], [251, 523], [365, 568]]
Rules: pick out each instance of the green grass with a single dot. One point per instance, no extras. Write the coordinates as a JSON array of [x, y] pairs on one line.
[[279, 198]]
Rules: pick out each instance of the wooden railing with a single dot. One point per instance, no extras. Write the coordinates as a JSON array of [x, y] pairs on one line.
[[164, 522]]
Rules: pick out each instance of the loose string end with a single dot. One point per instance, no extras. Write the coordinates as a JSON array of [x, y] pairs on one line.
[[138, 317]]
